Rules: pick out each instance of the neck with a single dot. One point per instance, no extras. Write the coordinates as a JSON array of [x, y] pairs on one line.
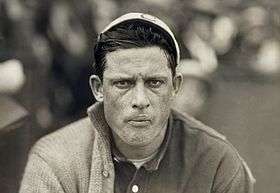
[[139, 152]]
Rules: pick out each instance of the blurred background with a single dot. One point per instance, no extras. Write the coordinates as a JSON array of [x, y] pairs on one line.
[[230, 62]]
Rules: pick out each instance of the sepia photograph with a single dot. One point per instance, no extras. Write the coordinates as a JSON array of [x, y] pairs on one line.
[[141, 96]]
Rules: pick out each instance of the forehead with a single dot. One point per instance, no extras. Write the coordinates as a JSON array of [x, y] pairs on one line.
[[146, 61]]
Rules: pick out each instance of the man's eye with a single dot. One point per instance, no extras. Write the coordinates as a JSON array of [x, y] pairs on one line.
[[122, 84], [154, 83]]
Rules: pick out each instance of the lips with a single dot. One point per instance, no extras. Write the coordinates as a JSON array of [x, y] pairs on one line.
[[139, 120]]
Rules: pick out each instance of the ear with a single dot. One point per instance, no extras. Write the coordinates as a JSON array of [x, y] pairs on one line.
[[96, 87], [177, 83]]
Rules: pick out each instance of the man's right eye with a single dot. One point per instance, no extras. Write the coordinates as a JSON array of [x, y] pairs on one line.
[[123, 84]]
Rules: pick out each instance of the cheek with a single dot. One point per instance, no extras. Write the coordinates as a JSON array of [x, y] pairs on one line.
[[164, 97], [115, 102], [113, 111], [161, 107]]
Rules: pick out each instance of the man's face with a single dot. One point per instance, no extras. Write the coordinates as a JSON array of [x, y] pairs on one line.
[[137, 93]]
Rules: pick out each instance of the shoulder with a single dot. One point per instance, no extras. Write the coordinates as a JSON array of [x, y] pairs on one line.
[[69, 144], [62, 159], [211, 151], [192, 124], [207, 141]]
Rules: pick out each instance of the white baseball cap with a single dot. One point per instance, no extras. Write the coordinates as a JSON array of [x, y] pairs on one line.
[[149, 19]]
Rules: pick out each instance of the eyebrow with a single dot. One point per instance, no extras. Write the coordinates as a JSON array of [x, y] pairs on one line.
[[158, 75], [119, 76]]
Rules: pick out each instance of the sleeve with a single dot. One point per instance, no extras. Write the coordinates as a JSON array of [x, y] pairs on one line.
[[242, 182], [234, 176], [39, 178]]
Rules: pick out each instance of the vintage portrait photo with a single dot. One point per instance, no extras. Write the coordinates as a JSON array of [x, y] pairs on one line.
[[142, 96]]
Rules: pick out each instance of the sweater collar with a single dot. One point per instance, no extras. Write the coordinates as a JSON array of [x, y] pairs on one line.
[[97, 117]]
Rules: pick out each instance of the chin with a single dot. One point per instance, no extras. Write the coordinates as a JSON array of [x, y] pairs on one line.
[[138, 141]]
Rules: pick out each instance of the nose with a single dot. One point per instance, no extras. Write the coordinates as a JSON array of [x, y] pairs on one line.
[[140, 99]]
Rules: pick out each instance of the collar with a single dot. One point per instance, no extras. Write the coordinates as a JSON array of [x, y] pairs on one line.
[[153, 164], [97, 117]]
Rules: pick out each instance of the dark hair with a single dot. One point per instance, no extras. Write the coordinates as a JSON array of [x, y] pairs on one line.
[[132, 34]]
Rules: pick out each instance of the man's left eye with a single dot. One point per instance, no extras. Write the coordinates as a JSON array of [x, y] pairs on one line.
[[154, 83]]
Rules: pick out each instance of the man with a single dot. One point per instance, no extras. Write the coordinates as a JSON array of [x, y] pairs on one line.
[[131, 140]]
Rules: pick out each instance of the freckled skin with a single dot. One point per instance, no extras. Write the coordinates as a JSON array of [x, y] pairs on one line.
[[137, 82]]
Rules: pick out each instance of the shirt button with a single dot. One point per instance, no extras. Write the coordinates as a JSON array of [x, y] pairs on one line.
[[105, 173], [135, 188]]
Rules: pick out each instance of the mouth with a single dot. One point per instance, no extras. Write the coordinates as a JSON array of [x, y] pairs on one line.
[[139, 121]]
